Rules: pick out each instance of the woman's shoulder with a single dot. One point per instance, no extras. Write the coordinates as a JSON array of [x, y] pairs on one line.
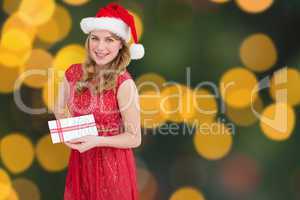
[[124, 75], [74, 72]]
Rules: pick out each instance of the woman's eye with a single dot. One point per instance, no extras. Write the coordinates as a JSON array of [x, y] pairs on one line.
[[93, 38], [109, 40]]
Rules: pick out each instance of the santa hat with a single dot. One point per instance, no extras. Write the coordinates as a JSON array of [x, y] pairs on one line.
[[117, 20]]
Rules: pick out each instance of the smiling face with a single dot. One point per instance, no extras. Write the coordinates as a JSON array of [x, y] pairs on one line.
[[103, 46]]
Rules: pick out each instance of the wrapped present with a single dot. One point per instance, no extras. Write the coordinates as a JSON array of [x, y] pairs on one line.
[[67, 129]]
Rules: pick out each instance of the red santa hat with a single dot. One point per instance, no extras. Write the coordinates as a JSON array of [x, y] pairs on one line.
[[117, 20]]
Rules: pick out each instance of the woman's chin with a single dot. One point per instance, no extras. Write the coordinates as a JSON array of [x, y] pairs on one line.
[[101, 62]]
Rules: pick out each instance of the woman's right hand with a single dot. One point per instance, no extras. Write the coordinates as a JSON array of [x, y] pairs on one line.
[[70, 145]]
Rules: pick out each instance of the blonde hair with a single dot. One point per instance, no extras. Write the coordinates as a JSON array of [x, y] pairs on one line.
[[108, 74]]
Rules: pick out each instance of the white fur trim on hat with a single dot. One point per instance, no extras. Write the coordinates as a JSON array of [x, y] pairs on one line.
[[137, 51], [114, 25]]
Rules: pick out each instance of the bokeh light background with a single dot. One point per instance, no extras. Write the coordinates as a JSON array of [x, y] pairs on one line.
[[254, 44]]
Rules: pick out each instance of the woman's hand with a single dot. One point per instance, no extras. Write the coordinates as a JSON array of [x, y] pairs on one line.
[[84, 143]]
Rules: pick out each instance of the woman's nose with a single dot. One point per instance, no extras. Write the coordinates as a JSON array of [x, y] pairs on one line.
[[101, 45]]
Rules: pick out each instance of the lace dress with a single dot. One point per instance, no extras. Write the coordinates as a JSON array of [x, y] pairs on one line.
[[101, 173]]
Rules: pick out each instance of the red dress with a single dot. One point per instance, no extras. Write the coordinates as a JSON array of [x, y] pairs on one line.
[[101, 173]]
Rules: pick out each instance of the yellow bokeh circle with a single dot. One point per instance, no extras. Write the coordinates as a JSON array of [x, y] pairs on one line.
[[239, 87], [52, 157], [254, 6], [277, 121], [189, 193], [36, 68], [205, 105], [245, 116], [7, 82], [14, 22], [16, 40], [177, 103], [213, 141], [17, 152], [285, 86], [13, 195], [57, 28], [50, 93], [5, 185], [258, 52], [76, 2], [150, 81], [151, 113], [68, 55], [36, 12]]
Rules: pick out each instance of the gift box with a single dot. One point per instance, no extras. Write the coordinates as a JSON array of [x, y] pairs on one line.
[[67, 129]]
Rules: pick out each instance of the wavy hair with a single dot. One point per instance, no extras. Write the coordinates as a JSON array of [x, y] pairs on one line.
[[105, 79]]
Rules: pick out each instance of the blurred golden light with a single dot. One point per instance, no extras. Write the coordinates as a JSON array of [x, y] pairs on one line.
[[26, 189], [138, 24], [10, 6], [219, 1], [5, 184], [8, 58], [238, 87], [57, 28], [278, 121], [177, 103], [258, 52], [68, 55], [205, 105], [189, 193], [13, 195], [38, 60], [16, 40], [12, 59], [76, 2], [187, 108], [14, 22], [52, 157], [50, 93], [7, 81], [17, 152], [213, 141], [147, 184], [150, 81], [36, 12], [286, 79], [245, 116], [151, 113], [254, 7]]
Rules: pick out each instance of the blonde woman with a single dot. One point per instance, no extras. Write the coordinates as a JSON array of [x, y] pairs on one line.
[[103, 167]]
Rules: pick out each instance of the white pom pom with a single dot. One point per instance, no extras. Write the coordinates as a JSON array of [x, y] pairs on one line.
[[137, 51]]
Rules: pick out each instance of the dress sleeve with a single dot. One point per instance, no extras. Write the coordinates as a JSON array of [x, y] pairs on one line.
[[73, 72]]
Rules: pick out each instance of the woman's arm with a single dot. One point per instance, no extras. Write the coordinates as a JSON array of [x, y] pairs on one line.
[[128, 100], [60, 104]]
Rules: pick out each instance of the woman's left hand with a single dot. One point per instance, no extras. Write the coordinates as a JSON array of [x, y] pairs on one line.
[[84, 143]]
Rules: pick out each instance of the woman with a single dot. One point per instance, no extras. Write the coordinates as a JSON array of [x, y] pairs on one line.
[[102, 167]]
